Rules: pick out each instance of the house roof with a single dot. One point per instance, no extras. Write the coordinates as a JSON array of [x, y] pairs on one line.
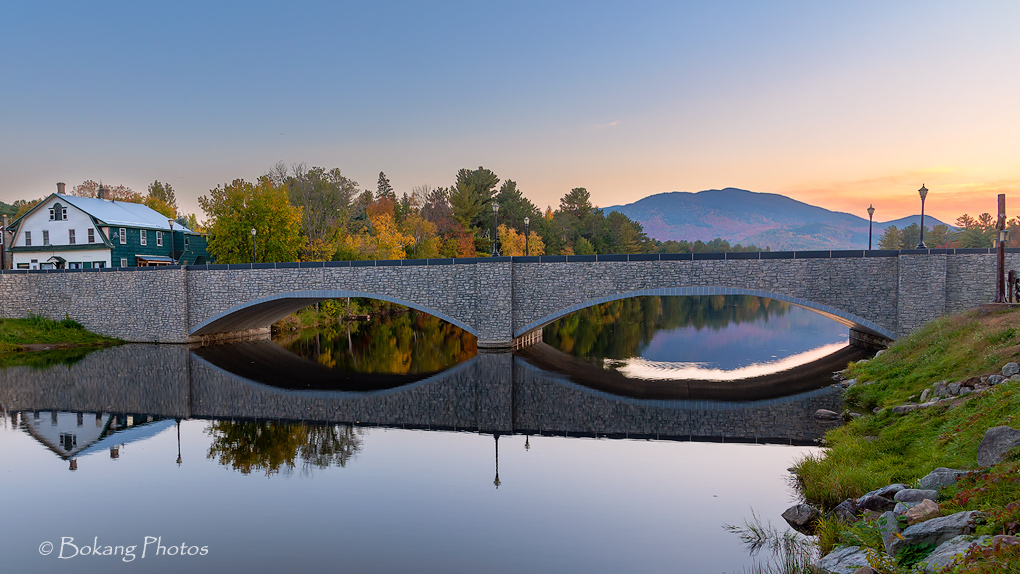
[[121, 213]]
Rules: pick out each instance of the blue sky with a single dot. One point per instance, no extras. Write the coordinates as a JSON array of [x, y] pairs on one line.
[[837, 104]]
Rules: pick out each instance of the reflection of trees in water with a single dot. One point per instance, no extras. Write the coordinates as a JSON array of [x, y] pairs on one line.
[[620, 329], [249, 446], [407, 343]]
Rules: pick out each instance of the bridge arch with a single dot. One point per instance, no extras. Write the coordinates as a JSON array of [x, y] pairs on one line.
[[264, 311], [850, 320]]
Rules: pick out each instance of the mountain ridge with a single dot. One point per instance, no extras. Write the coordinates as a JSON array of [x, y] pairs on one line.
[[747, 217]]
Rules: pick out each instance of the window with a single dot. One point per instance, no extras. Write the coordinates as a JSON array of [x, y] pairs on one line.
[[123, 235], [123, 262], [45, 237], [185, 242], [76, 265], [99, 265], [28, 238], [58, 213], [22, 265], [92, 235], [70, 237], [143, 237], [159, 239]]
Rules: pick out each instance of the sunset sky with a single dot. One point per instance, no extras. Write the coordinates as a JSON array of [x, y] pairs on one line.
[[835, 104]]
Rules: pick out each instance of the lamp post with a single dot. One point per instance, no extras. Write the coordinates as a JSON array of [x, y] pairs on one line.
[[495, 229], [871, 217], [527, 234], [253, 245], [1000, 279], [496, 482], [924, 193], [172, 258]]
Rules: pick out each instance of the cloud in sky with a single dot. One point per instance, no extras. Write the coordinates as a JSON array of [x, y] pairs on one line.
[[612, 124]]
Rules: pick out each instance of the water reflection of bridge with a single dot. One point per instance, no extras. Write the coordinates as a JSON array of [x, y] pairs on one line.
[[492, 393]]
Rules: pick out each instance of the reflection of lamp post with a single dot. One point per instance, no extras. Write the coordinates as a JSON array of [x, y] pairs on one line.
[[871, 216], [171, 222], [527, 234], [495, 229], [253, 245], [527, 445], [924, 193], [496, 482], [178, 442]]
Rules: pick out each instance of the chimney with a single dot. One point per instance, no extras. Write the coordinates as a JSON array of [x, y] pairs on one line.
[[60, 187], [102, 192]]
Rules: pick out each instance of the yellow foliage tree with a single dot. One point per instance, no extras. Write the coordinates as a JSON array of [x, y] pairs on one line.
[[512, 243], [383, 241]]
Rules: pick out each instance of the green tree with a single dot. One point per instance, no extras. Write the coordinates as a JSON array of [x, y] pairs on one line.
[[383, 187], [164, 192], [576, 203], [583, 247], [891, 238], [465, 203], [238, 207]]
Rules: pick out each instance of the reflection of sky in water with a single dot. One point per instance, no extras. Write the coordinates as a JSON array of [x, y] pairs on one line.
[[765, 340]]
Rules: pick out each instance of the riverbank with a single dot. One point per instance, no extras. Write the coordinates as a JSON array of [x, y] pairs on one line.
[[41, 334], [929, 401]]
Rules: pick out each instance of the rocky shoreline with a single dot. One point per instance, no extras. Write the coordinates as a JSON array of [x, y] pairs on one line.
[[909, 515]]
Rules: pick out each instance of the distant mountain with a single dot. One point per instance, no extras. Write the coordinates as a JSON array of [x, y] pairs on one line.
[[747, 217]]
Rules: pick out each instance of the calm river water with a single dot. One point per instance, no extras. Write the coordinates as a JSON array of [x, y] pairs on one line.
[[622, 443]]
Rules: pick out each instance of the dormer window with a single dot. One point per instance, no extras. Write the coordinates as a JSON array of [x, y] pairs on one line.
[[58, 213]]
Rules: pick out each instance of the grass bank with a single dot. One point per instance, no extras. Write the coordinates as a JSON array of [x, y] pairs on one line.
[[36, 333], [884, 448]]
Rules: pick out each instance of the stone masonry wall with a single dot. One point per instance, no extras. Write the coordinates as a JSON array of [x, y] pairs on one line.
[[498, 299]]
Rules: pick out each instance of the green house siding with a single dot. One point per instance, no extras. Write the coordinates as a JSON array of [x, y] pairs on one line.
[[195, 252], [133, 246]]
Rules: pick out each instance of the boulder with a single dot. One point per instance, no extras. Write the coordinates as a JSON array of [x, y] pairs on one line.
[[940, 389], [846, 560], [941, 477], [890, 527], [891, 490], [934, 531], [802, 517], [1010, 369], [997, 442], [996, 379], [827, 415], [915, 495], [1002, 540], [924, 510], [876, 503], [845, 511], [954, 388], [924, 395], [902, 507], [866, 570], [949, 551]]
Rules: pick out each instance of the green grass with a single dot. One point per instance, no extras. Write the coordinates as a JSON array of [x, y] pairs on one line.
[[15, 333]]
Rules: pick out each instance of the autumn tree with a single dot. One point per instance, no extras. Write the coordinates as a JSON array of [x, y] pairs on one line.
[[238, 207], [325, 198], [90, 188], [512, 243]]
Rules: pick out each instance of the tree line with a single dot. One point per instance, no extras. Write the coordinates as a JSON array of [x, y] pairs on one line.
[[971, 232], [318, 214]]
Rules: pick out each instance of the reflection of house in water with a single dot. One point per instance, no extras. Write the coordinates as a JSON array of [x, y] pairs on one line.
[[73, 435]]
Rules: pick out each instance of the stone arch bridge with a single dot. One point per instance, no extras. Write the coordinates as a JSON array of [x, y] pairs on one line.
[[883, 294]]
